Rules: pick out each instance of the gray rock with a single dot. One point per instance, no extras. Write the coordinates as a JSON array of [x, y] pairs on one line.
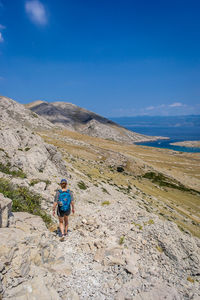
[[5, 210], [33, 289], [158, 293], [21, 147]]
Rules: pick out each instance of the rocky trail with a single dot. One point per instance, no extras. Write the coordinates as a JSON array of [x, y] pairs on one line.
[[115, 251]]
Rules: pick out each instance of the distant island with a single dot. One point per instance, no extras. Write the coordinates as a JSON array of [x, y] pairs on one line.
[[192, 144]]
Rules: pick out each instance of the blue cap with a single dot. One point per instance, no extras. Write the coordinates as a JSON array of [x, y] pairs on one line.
[[63, 181]]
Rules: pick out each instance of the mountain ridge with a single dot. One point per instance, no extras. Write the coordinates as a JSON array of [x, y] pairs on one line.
[[73, 117]]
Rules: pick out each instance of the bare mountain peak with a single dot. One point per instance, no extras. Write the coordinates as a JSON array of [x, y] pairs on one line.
[[71, 116], [35, 103]]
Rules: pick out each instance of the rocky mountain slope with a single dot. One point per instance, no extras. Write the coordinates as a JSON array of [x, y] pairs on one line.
[[84, 121], [123, 241], [22, 149]]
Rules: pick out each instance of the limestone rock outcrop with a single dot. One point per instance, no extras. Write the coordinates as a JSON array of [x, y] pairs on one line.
[[28, 251], [21, 148]]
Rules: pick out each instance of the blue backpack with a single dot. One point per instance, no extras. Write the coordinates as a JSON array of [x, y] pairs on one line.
[[64, 200]]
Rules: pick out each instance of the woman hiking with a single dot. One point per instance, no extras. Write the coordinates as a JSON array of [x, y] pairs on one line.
[[64, 201]]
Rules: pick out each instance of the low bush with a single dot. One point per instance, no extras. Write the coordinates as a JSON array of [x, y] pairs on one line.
[[121, 240], [137, 225], [164, 181], [160, 249], [105, 191], [7, 170], [105, 202], [35, 181], [82, 185], [190, 279], [34, 115], [24, 200], [151, 222]]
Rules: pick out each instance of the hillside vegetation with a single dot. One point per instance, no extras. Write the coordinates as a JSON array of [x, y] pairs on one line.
[[168, 180]]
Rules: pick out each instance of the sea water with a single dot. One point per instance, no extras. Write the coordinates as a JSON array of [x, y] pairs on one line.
[[174, 133]]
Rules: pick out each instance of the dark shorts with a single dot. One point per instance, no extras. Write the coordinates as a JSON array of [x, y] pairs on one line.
[[63, 213]]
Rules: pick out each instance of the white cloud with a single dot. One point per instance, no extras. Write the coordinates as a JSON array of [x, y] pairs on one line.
[[176, 104], [154, 108], [157, 110], [1, 38], [36, 12], [150, 107]]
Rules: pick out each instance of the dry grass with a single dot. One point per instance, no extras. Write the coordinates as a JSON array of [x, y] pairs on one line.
[[89, 156]]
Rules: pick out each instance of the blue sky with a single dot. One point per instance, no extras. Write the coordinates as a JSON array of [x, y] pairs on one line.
[[117, 58]]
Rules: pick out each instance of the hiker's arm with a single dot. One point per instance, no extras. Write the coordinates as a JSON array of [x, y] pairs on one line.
[[54, 207], [72, 202], [55, 203]]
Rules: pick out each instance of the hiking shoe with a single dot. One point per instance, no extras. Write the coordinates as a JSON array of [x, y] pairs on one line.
[[62, 238]]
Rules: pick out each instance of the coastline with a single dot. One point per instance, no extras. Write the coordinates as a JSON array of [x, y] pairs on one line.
[[191, 144], [152, 139]]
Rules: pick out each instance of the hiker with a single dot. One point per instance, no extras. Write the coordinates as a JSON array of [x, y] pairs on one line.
[[65, 202]]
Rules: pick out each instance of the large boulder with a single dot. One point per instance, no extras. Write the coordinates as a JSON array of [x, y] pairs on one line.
[[29, 259]]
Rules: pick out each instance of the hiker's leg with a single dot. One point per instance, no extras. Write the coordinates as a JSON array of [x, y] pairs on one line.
[[61, 224], [66, 223]]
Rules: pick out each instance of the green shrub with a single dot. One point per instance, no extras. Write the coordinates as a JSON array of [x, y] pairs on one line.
[[34, 115], [160, 249], [7, 170], [105, 202], [121, 240], [105, 191], [82, 185], [137, 225], [35, 181], [190, 279], [150, 222], [164, 181], [24, 200], [129, 188], [27, 148]]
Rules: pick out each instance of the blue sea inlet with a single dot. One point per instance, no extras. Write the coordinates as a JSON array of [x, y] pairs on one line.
[[175, 134], [177, 129]]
